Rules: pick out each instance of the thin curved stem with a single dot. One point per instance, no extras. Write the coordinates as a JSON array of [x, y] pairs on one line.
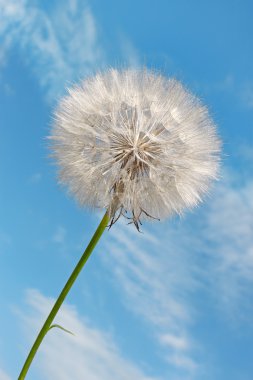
[[95, 238]]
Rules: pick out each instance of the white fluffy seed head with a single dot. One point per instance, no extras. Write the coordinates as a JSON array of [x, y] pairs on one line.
[[136, 143]]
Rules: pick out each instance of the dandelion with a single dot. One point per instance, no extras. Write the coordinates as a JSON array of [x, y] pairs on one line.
[[135, 143]]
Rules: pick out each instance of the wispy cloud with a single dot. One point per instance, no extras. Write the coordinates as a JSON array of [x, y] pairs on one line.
[[228, 230], [3, 375], [35, 178], [59, 235], [161, 271], [90, 354], [155, 271], [60, 45], [242, 90], [247, 94]]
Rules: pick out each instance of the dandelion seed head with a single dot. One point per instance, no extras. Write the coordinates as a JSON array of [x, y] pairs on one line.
[[136, 143]]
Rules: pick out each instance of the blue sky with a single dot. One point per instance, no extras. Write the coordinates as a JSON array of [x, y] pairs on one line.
[[176, 301]]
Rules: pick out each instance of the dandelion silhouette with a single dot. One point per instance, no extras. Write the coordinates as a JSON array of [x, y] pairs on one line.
[[136, 144]]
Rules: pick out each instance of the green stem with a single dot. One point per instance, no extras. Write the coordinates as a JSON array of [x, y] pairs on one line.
[[62, 296]]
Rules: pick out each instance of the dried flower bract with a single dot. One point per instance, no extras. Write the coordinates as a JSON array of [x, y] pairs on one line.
[[136, 143]]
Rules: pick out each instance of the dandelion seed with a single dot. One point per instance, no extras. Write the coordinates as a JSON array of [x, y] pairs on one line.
[[135, 143]]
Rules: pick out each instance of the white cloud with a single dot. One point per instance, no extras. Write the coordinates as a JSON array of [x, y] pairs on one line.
[[155, 271], [160, 272], [176, 342], [228, 230], [242, 90], [60, 45], [247, 94], [3, 375], [35, 178], [183, 361], [90, 354], [59, 235], [225, 85]]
